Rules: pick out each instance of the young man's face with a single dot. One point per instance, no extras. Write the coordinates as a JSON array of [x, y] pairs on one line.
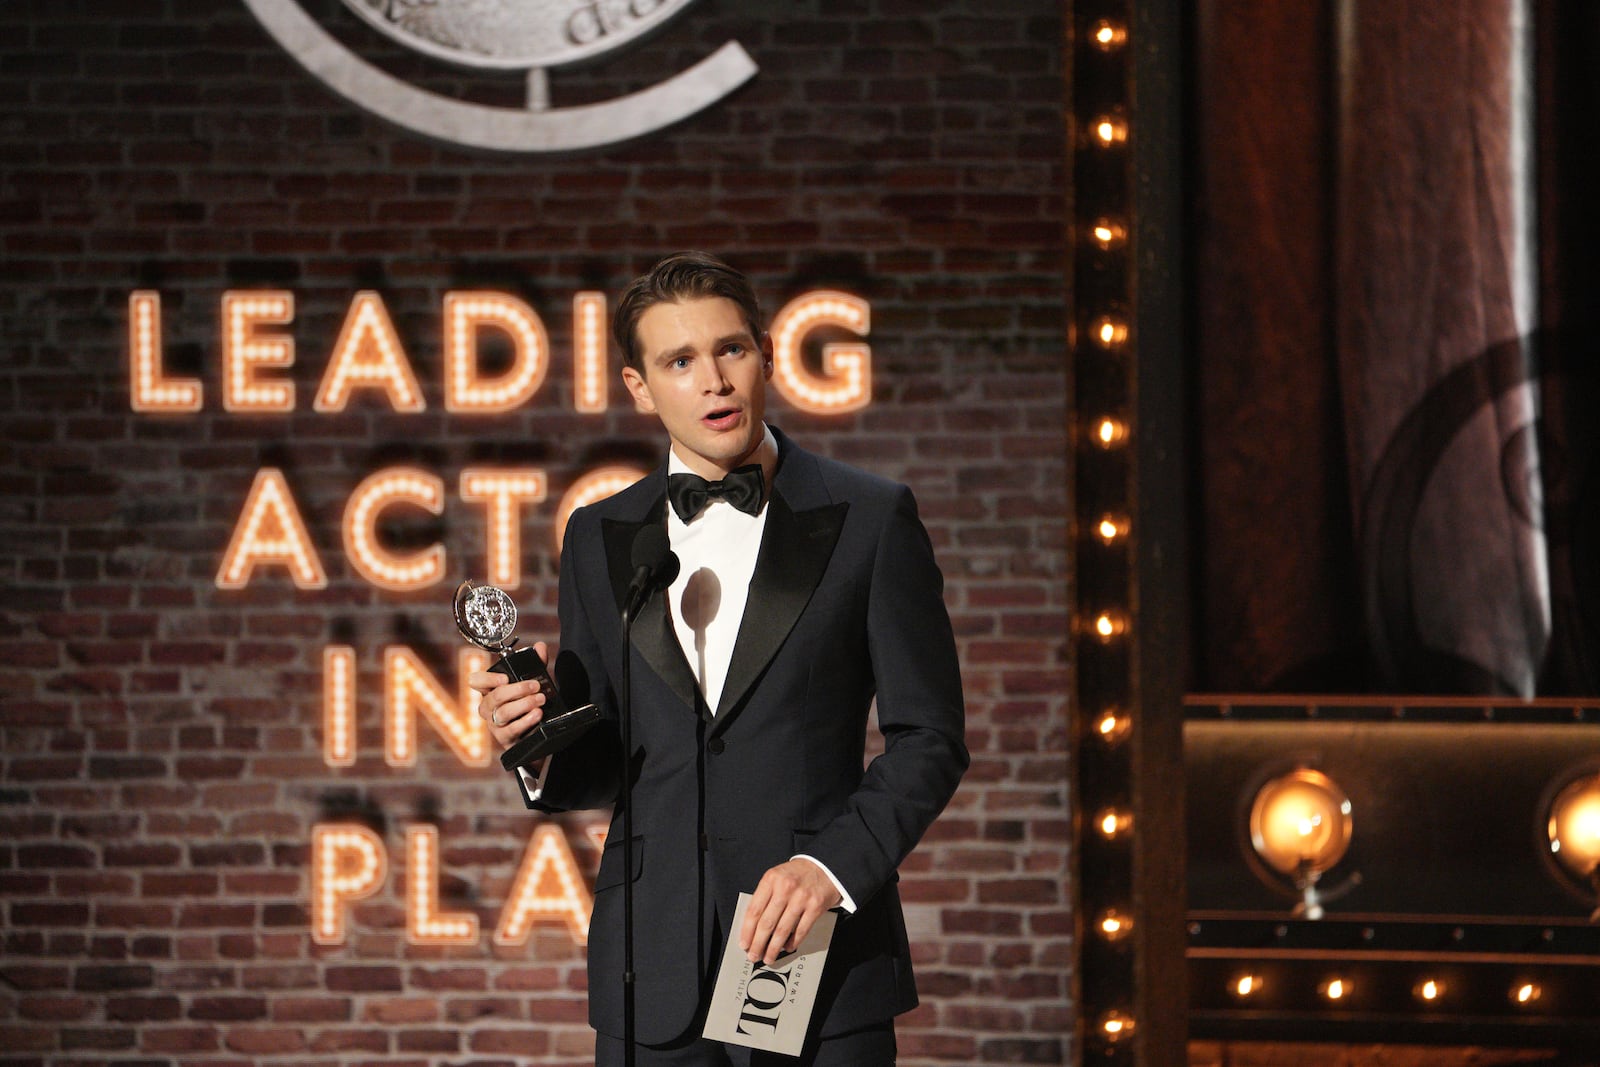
[[705, 377]]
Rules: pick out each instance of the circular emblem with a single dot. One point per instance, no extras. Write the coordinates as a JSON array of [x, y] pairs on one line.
[[485, 615], [531, 36], [515, 34]]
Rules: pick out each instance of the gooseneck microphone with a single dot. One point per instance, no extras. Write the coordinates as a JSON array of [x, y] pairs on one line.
[[654, 567]]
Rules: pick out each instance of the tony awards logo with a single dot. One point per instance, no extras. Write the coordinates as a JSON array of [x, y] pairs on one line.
[[486, 616], [531, 37]]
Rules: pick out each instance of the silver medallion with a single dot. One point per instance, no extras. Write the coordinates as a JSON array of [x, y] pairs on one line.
[[486, 616]]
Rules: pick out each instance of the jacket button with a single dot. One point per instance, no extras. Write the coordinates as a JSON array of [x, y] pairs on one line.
[[715, 746]]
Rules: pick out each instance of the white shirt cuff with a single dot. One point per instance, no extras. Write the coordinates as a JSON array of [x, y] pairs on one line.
[[845, 900], [533, 784]]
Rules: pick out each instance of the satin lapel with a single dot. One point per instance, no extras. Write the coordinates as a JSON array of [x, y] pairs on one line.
[[795, 549], [652, 629]]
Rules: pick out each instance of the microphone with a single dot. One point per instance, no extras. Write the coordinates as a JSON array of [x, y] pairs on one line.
[[655, 565]]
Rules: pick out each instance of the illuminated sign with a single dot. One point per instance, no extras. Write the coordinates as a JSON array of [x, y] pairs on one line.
[[368, 365]]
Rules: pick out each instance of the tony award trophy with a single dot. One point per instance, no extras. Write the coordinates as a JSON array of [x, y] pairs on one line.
[[486, 616]]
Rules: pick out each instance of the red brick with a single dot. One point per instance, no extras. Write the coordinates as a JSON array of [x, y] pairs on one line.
[[264, 1041], [364, 979], [54, 1009], [179, 1039], [317, 1009], [143, 1009], [103, 978], [227, 1009]]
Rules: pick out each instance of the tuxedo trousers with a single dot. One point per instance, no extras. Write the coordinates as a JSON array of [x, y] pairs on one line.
[[872, 1047]]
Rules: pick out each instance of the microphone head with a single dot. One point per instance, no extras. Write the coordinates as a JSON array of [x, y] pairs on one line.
[[669, 570], [650, 548]]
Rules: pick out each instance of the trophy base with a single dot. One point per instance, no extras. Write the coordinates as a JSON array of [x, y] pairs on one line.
[[550, 737], [561, 725]]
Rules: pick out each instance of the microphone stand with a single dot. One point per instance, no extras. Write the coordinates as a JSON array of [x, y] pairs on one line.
[[627, 835], [655, 567]]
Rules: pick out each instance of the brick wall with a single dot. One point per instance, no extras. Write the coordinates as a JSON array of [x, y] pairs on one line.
[[162, 766]]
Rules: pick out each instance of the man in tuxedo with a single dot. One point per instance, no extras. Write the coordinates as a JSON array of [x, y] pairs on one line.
[[807, 589]]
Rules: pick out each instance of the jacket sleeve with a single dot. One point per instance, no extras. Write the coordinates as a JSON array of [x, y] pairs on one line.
[[584, 775], [920, 712]]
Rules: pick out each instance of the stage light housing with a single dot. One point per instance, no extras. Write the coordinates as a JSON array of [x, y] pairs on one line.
[[1300, 826], [1572, 827]]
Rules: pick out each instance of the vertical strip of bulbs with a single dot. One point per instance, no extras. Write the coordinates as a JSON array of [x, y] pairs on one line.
[[1103, 366]]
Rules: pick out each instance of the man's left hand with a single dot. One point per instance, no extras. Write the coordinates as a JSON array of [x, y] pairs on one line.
[[787, 902]]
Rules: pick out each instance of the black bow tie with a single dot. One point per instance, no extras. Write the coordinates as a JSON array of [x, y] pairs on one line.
[[743, 488]]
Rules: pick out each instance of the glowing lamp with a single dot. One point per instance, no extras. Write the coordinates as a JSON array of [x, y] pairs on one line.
[[1108, 36], [1114, 926], [1109, 432], [1525, 993], [1112, 725], [1108, 130], [1108, 233], [1116, 1026], [1109, 332], [1429, 990], [1109, 625], [1113, 823], [1300, 825], [1111, 528], [1335, 990], [1574, 831], [1245, 986]]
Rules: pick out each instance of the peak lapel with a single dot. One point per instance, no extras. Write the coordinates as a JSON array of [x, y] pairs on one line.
[[652, 629], [795, 549]]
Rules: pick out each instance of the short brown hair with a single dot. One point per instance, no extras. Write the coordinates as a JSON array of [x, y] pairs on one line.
[[681, 276]]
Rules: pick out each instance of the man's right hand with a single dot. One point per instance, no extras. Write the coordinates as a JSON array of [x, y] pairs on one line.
[[510, 708]]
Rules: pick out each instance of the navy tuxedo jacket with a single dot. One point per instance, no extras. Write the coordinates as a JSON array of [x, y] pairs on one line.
[[845, 605]]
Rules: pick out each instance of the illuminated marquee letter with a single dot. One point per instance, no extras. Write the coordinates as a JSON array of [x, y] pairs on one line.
[[548, 887], [408, 687], [503, 490], [243, 350], [589, 352], [464, 315], [368, 354], [148, 388], [270, 530], [847, 368], [595, 485], [348, 862], [379, 565], [425, 923], [339, 706]]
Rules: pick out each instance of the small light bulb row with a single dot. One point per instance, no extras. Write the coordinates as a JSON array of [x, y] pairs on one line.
[[1104, 348], [1338, 989]]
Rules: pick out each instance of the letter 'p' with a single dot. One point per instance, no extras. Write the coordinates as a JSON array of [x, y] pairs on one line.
[[348, 862]]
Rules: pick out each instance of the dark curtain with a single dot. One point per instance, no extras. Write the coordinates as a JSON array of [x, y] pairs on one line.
[[1396, 390]]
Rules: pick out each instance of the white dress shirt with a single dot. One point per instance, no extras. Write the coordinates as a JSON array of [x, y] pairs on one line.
[[716, 552]]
